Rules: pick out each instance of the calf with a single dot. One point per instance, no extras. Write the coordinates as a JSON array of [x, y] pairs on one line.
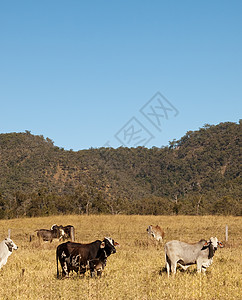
[[185, 255], [98, 264], [81, 257], [156, 232], [6, 248]]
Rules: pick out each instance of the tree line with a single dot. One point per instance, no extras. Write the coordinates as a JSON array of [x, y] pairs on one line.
[[197, 174]]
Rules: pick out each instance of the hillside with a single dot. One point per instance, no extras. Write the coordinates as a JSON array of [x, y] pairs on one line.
[[198, 174]]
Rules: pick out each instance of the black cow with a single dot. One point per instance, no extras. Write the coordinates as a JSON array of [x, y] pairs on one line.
[[49, 235], [82, 257], [69, 231]]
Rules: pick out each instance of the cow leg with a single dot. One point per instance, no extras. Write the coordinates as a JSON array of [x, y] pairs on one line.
[[65, 269], [173, 267], [1, 263], [203, 265], [168, 268], [184, 267], [92, 272], [100, 270], [92, 267], [199, 266], [168, 265]]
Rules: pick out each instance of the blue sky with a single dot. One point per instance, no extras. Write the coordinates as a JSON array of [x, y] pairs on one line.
[[94, 73]]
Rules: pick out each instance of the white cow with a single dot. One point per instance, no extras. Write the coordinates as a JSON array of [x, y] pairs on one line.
[[6, 248], [185, 255]]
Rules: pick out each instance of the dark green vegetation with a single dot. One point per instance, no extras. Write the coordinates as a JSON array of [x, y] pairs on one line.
[[198, 174]]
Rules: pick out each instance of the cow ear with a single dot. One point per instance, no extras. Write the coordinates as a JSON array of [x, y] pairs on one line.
[[102, 245], [221, 245], [116, 244], [10, 246], [205, 245]]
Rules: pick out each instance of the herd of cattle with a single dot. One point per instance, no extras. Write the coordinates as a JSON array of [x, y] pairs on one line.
[[79, 257], [56, 232]]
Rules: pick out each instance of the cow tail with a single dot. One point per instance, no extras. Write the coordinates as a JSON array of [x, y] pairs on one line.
[[57, 263]]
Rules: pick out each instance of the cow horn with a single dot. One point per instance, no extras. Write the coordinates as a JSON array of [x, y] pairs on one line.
[[9, 233]]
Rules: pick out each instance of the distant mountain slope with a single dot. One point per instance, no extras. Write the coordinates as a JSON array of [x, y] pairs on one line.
[[200, 173]]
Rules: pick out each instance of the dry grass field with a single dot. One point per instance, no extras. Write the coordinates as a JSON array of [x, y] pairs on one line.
[[136, 271]]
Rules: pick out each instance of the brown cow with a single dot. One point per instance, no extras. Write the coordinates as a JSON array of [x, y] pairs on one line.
[[156, 231]]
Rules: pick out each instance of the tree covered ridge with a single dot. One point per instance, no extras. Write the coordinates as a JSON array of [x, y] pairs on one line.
[[198, 174]]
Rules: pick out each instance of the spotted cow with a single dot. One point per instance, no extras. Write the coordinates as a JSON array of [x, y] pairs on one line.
[[82, 257]]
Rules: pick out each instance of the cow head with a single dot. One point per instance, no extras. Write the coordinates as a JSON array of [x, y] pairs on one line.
[[54, 226], [150, 231], [59, 230], [10, 244], [62, 233], [108, 244], [213, 245]]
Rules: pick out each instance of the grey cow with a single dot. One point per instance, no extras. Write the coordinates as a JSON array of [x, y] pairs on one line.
[[185, 254]]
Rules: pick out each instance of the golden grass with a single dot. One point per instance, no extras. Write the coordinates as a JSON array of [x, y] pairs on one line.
[[136, 271]]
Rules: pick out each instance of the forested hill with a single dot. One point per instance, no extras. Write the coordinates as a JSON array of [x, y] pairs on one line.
[[198, 174]]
